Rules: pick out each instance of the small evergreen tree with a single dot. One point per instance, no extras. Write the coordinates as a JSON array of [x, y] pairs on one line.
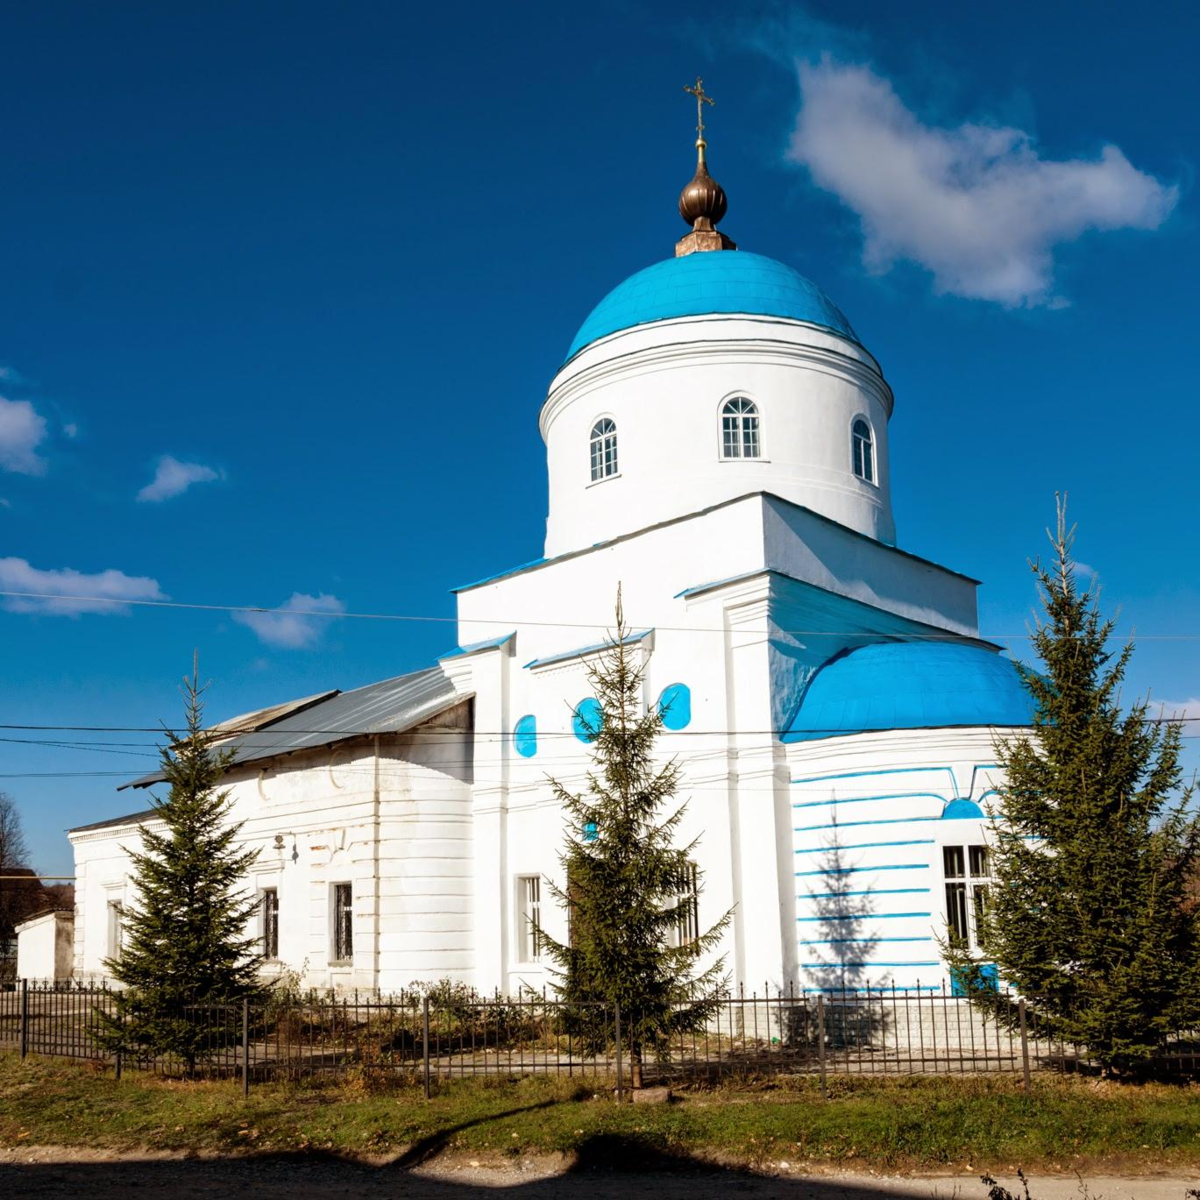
[[1092, 848], [186, 962], [628, 887]]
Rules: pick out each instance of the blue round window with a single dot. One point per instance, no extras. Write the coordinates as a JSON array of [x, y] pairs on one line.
[[525, 736], [675, 704], [587, 719]]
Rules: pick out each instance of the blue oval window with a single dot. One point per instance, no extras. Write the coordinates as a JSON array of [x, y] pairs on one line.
[[675, 704], [525, 736], [587, 719]]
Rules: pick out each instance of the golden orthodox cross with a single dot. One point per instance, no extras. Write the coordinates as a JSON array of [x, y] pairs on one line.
[[702, 98]]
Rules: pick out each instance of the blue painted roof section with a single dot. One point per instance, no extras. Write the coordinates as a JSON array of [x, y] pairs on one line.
[[491, 644], [725, 281], [910, 685]]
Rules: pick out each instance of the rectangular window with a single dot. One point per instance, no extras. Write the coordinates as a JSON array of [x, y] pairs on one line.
[[967, 872], [529, 917], [687, 923], [116, 929], [343, 923], [729, 427], [270, 922], [749, 437]]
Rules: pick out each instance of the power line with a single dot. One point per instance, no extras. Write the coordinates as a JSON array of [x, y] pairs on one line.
[[491, 735], [935, 635]]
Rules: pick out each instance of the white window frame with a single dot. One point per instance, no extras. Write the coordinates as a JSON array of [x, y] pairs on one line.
[[335, 940], [603, 450], [114, 915], [871, 459], [740, 419], [966, 889], [529, 918], [686, 930]]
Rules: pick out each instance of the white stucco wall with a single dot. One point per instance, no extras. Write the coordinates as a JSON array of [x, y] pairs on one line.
[[392, 819], [867, 814], [664, 385]]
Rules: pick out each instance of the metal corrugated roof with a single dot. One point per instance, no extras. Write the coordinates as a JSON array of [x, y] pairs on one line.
[[391, 706], [261, 717], [130, 819]]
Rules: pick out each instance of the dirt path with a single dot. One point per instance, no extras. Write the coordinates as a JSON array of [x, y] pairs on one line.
[[51, 1172]]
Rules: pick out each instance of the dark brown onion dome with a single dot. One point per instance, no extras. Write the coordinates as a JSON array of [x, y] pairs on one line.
[[703, 199]]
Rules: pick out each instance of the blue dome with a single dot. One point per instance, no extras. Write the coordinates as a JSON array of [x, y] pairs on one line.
[[720, 281], [910, 685]]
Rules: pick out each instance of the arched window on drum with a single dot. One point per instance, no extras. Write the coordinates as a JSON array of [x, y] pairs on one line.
[[604, 448], [862, 450], [739, 429]]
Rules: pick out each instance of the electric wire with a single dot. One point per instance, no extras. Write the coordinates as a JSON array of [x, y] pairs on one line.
[[934, 635]]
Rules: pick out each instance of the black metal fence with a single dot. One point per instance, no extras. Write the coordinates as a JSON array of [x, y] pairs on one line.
[[447, 1033]]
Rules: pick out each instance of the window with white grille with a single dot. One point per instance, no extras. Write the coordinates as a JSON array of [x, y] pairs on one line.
[[604, 448], [739, 429], [529, 917], [967, 871], [686, 930], [862, 448]]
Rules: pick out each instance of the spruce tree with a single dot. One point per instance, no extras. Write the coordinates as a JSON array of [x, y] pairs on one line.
[[187, 961], [1089, 916], [628, 886]]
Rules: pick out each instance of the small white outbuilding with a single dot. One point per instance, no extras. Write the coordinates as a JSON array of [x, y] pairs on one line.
[[46, 947]]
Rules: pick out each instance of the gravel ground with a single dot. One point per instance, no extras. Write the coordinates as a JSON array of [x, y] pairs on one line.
[[33, 1171]]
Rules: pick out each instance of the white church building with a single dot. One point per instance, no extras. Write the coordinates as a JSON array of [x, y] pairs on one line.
[[717, 442]]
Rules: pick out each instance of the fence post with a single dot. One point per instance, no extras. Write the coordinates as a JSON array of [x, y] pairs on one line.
[[245, 1045], [620, 1077], [24, 1017], [1024, 1043], [821, 1041], [425, 1040], [117, 1062]]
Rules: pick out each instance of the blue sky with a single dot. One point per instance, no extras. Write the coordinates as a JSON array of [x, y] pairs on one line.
[[282, 287]]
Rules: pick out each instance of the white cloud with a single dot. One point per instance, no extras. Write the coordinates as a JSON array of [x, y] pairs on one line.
[[11, 375], [71, 429], [16, 575], [1179, 709], [22, 429], [975, 204], [293, 629], [173, 478]]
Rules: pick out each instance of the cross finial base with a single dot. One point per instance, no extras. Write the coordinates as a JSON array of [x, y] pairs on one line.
[[700, 240]]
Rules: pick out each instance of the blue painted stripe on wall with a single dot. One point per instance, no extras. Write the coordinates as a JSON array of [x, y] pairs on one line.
[[863, 846], [868, 892], [867, 799], [873, 916], [862, 774], [859, 941], [856, 870], [852, 824]]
